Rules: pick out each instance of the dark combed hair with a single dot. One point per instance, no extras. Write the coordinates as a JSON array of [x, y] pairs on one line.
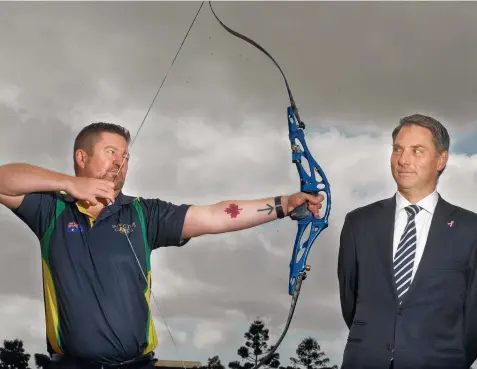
[[440, 135], [89, 135]]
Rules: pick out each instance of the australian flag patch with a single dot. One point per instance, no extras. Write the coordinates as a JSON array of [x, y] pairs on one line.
[[73, 227]]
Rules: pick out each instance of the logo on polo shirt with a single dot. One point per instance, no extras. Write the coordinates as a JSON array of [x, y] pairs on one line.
[[124, 228]]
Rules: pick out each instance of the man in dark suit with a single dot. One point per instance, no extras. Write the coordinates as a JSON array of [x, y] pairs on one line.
[[407, 265]]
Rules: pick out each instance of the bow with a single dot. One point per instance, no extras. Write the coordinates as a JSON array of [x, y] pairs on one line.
[[308, 183], [312, 181]]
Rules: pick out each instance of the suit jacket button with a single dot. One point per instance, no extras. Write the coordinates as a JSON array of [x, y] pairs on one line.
[[388, 346]]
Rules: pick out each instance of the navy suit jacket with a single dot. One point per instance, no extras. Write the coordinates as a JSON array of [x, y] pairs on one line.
[[435, 327]]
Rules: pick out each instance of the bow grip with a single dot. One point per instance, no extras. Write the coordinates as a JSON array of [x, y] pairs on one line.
[[300, 212]]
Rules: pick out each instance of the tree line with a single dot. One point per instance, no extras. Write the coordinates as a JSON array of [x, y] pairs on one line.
[[309, 354]]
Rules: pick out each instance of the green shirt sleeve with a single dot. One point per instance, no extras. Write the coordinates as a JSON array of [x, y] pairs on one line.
[[164, 222]]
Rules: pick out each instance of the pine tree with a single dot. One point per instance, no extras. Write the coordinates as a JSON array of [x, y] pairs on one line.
[[13, 355], [310, 356], [256, 348], [213, 363]]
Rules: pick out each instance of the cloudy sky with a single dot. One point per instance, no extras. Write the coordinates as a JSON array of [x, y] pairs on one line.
[[354, 68]]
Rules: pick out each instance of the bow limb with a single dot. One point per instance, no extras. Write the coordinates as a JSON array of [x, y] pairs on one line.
[[245, 38], [312, 181]]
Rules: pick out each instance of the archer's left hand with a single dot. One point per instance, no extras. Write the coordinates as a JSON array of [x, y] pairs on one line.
[[299, 198]]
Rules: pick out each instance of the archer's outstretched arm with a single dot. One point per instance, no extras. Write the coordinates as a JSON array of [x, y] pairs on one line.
[[228, 216], [347, 272]]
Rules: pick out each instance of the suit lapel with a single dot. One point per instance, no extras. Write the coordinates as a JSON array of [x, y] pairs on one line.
[[438, 236], [384, 239]]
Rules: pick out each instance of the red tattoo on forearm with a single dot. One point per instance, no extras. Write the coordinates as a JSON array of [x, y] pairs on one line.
[[233, 210]]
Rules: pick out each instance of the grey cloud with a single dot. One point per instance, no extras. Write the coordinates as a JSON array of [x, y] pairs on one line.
[[370, 62], [20, 254]]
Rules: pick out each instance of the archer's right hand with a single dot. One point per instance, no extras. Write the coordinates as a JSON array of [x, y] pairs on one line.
[[91, 190]]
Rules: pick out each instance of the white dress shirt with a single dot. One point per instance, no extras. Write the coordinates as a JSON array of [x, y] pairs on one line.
[[423, 223]]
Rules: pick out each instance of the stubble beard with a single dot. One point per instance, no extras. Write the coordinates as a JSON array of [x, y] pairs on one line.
[[115, 177]]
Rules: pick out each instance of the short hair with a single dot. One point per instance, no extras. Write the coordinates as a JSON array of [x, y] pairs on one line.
[[440, 136], [89, 136]]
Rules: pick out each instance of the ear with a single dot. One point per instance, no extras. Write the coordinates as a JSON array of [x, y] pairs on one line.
[[442, 162], [81, 158]]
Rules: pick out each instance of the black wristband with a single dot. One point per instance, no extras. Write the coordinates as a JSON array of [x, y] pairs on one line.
[[278, 207]]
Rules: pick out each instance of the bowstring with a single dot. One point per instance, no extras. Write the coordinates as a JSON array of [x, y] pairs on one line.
[[155, 301], [160, 87], [127, 157]]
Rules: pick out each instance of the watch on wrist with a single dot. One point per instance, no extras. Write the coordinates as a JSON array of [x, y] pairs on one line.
[[278, 207]]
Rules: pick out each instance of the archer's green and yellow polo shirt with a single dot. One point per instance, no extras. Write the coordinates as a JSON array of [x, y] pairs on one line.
[[97, 301]]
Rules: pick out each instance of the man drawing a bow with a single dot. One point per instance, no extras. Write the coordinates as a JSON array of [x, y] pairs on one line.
[[96, 245]]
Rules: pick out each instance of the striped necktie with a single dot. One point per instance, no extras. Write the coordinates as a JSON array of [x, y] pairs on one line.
[[404, 258]]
